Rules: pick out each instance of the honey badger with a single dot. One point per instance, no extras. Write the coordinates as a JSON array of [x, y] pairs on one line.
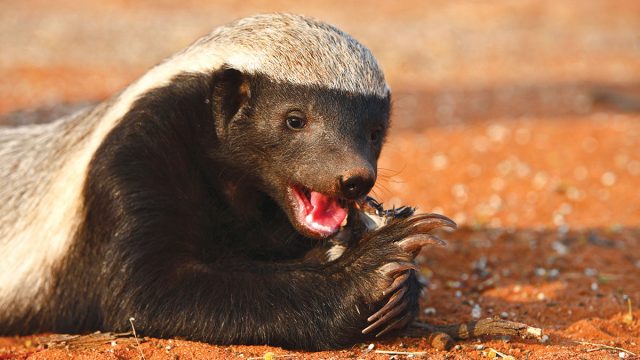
[[191, 199]]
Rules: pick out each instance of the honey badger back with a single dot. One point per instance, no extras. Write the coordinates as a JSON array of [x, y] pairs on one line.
[[189, 200]]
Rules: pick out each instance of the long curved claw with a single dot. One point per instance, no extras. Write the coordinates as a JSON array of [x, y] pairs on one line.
[[389, 315], [395, 267], [417, 242], [399, 281], [398, 324], [393, 300], [428, 222]]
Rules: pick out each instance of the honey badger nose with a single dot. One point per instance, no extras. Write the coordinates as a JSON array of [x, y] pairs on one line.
[[356, 183]]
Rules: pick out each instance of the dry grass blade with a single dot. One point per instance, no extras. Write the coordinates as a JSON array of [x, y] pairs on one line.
[[135, 336], [85, 341], [605, 347], [391, 352]]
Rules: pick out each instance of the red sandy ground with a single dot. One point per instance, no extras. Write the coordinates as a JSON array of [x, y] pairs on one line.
[[500, 123]]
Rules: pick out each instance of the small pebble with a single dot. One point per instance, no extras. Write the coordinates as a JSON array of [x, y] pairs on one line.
[[480, 264], [540, 272], [622, 355], [458, 294], [594, 286], [560, 248], [553, 273], [457, 347], [504, 315], [476, 311], [590, 272], [544, 339], [429, 311], [371, 347], [479, 347]]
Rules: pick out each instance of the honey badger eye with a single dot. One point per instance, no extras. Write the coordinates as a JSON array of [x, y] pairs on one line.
[[296, 120]]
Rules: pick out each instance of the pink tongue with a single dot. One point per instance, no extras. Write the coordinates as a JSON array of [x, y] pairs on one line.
[[326, 215]]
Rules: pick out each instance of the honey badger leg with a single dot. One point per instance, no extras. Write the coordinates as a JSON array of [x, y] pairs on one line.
[[289, 304]]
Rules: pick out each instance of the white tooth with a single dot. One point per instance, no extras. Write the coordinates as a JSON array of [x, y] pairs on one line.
[[344, 222]]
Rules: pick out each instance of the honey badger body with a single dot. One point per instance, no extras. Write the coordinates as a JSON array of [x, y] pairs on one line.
[[190, 199]]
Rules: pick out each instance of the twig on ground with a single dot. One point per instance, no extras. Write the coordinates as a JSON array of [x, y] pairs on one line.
[[493, 353], [84, 341], [270, 356], [628, 317], [604, 347], [443, 336], [391, 352], [131, 320]]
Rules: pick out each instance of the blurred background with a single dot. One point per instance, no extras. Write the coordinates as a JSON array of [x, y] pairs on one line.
[[506, 113]]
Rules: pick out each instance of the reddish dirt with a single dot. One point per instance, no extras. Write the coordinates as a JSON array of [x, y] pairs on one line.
[[519, 120]]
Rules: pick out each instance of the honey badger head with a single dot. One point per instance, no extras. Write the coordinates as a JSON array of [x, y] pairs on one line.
[[300, 111]]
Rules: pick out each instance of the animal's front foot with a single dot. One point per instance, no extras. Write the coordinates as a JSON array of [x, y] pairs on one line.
[[403, 289]]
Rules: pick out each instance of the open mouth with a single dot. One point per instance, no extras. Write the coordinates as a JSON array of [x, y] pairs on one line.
[[318, 213]]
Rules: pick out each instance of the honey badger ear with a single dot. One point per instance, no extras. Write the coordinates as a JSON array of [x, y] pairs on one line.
[[231, 91]]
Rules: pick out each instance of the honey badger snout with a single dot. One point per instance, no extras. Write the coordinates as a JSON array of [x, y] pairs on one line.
[[357, 182]]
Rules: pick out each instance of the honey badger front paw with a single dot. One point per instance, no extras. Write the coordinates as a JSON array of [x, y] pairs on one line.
[[402, 291]]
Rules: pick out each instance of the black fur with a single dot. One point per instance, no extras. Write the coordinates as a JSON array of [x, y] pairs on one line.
[[185, 228]]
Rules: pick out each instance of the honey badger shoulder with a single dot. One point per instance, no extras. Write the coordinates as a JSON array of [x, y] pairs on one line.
[[189, 200]]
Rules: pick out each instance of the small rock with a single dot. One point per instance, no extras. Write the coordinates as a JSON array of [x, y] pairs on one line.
[[429, 311], [544, 339], [622, 355], [590, 272], [504, 315], [479, 347], [476, 312], [560, 248]]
